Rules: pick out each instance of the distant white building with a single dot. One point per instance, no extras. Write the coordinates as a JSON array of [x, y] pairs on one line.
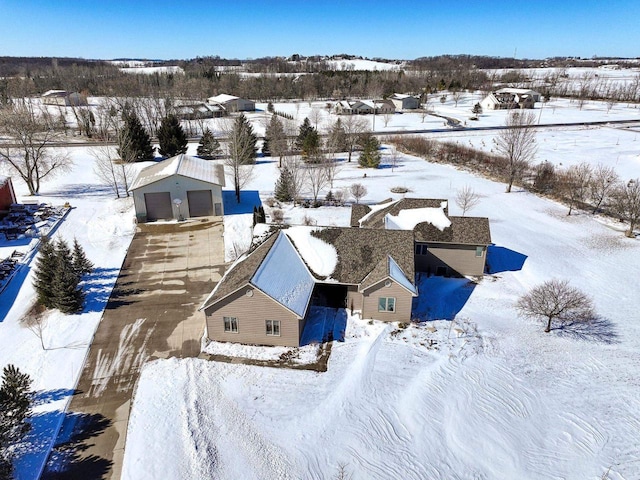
[[510, 98], [63, 98], [405, 102], [232, 103]]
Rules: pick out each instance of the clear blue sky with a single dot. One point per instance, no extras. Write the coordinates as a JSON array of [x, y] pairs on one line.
[[253, 28]]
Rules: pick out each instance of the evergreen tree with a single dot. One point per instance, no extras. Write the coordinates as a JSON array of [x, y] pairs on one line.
[[477, 109], [209, 146], [307, 130], [45, 272], [266, 148], [284, 186], [243, 141], [134, 143], [311, 144], [275, 138], [370, 156], [15, 407], [337, 140], [171, 137], [68, 296], [81, 264]]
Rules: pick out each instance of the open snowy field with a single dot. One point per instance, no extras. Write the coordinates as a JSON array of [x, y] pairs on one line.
[[490, 396]]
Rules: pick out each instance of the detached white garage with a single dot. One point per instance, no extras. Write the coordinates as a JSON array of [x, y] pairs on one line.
[[178, 187]]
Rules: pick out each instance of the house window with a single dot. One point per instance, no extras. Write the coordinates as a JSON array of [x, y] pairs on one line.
[[421, 249], [387, 304], [230, 324], [273, 328], [479, 251]]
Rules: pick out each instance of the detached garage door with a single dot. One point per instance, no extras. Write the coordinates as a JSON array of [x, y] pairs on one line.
[[158, 205], [200, 203]]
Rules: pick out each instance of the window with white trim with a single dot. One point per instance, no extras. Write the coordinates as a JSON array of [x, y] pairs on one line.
[[387, 304], [273, 328], [230, 324], [479, 251]]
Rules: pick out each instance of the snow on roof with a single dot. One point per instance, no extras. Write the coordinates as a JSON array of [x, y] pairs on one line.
[[184, 165], [284, 277], [223, 98], [517, 90], [320, 256], [408, 219], [375, 208], [55, 93], [396, 273], [401, 96]]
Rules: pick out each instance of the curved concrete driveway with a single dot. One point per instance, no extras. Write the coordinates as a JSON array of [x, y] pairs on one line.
[[152, 313]]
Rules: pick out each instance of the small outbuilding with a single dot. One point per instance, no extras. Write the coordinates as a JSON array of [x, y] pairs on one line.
[[231, 103], [179, 187], [405, 102], [7, 194]]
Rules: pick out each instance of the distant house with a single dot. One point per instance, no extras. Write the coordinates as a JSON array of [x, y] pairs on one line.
[[510, 98], [364, 107], [405, 102], [195, 110], [232, 103], [63, 98], [444, 244], [265, 298], [7, 194], [178, 187]]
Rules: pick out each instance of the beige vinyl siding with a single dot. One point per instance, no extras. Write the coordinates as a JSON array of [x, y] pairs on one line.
[[252, 313], [177, 186], [403, 302], [459, 259], [354, 298]]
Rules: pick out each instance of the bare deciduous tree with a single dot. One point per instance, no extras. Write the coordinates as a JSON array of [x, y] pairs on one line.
[[457, 95], [386, 118], [240, 158], [626, 203], [30, 155], [354, 126], [603, 181], [317, 179], [110, 170], [296, 168], [358, 191], [517, 144], [556, 300], [575, 183], [467, 199]]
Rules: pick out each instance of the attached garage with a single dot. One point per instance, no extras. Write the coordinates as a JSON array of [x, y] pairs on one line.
[[158, 205], [181, 186], [200, 203]]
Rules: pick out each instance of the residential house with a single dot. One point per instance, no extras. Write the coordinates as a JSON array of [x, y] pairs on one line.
[[7, 194], [232, 103], [178, 187], [444, 244], [510, 98], [364, 107], [186, 110], [405, 102], [265, 297], [63, 98]]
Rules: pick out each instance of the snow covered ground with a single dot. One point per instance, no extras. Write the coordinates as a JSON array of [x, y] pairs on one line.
[[103, 226], [488, 396]]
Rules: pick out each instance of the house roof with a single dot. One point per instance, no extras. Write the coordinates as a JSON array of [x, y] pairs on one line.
[[377, 214], [283, 267], [360, 251], [291, 287], [240, 273], [517, 91], [55, 93], [183, 165], [222, 98], [463, 230]]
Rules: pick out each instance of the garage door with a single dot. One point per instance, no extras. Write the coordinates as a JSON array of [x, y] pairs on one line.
[[200, 203], [158, 205]]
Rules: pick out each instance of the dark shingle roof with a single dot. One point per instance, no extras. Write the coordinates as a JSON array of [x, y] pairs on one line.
[[463, 230], [376, 220], [241, 273], [360, 251], [358, 210]]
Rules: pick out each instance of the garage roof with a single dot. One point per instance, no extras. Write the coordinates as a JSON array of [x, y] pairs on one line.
[[192, 167]]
